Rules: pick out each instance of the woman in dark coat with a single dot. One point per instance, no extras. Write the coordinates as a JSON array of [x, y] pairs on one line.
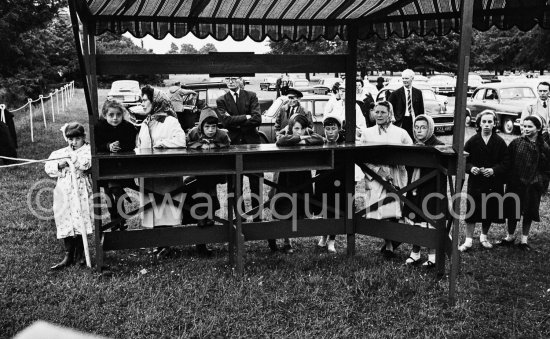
[[487, 164], [527, 180]]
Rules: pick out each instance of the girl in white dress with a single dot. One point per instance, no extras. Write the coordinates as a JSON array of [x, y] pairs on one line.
[[72, 202]]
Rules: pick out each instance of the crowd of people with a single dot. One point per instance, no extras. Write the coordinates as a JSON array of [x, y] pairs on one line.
[[520, 169]]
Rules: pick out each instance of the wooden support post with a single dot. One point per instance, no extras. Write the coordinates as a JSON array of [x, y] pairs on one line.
[[53, 110], [351, 73], [231, 204], [43, 110], [466, 17], [30, 119], [239, 239]]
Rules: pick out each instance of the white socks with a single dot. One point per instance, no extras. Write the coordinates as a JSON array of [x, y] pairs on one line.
[[468, 242], [431, 257], [322, 241], [415, 256], [483, 237], [510, 237], [524, 239]]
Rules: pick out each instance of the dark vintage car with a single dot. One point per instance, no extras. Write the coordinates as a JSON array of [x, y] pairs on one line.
[[437, 106], [506, 100], [310, 102]]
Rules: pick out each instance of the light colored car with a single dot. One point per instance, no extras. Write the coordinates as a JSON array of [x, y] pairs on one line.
[[398, 81], [437, 106], [310, 102], [506, 99], [443, 84], [474, 81], [125, 91]]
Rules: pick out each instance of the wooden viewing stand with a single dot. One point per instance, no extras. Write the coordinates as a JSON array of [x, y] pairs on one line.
[[279, 20]]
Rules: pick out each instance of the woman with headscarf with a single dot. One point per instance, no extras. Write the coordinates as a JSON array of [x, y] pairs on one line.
[[423, 132], [160, 129], [385, 132]]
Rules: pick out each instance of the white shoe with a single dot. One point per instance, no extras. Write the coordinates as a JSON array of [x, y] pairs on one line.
[[486, 244], [330, 246], [322, 241], [464, 247]]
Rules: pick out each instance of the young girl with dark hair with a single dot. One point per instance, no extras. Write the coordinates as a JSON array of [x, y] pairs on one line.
[[527, 180], [296, 133], [487, 164]]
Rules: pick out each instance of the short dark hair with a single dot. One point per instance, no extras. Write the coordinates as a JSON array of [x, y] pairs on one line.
[[335, 87], [331, 122], [544, 83], [74, 129], [360, 81], [298, 118]]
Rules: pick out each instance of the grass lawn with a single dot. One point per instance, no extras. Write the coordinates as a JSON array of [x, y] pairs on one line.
[[501, 292]]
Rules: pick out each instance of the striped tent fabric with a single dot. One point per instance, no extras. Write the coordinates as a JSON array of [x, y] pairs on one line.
[[303, 19]]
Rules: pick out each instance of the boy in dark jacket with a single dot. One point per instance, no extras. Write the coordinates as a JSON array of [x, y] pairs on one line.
[[207, 136]]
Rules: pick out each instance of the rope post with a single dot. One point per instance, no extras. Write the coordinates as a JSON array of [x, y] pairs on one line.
[[57, 99], [51, 102], [62, 100], [43, 111], [2, 116], [30, 119]]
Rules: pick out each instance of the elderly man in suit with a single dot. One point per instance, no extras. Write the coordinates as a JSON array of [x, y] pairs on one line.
[[239, 113], [540, 106], [407, 103]]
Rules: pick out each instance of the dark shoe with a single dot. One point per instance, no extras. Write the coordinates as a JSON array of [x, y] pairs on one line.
[[525, 247], [203, 251], [122, 226], [428, 265], [79, 257], [505, 243], [69, 244], [209, 222], [201, 223], [273, 245], [388, 254]]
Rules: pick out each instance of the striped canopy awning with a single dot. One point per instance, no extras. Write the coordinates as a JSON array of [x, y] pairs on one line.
[[303, 19]]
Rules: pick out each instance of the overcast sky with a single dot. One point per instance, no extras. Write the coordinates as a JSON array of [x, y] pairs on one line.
[[227, 45]]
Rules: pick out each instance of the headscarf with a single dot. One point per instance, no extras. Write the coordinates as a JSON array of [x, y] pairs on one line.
[[431, 127], [161, 106], [384, 126]]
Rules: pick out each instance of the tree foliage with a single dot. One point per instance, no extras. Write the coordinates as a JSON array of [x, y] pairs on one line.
[[188, 49], [209, 47]]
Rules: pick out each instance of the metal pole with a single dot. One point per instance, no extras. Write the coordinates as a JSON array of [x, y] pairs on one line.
[[466, 18]]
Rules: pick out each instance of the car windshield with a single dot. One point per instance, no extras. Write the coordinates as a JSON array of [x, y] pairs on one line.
[[214, 94], [275, 106], [516, 93], [428, 94], [189, 99], [125, 86]]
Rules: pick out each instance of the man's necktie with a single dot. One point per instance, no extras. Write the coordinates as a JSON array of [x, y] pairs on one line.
[[236, 97], [544, 104], [410, 103]]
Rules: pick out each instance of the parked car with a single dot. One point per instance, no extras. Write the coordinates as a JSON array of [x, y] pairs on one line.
[[398, 81], [125, 91], [505, 99], [437, 106], [443, 84], [325, 85], [474, 81], [268, 84], [310, 102]]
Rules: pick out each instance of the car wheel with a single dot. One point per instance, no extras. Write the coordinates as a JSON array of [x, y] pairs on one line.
[[508, 125]]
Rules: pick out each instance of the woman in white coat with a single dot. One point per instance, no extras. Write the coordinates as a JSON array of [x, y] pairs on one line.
[[161, 129], [387, 133]]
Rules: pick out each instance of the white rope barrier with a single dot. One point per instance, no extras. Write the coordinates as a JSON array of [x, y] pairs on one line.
[[66, 92]]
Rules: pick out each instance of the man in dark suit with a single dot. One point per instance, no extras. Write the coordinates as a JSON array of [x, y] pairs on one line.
[[239, 113], [407, 103]]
